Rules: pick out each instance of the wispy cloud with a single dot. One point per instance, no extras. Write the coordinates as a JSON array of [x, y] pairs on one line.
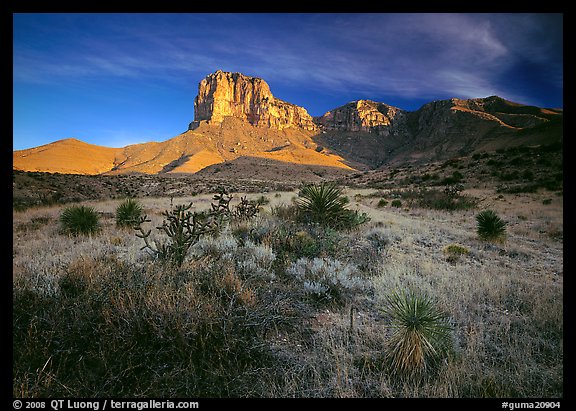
[[406, 55]]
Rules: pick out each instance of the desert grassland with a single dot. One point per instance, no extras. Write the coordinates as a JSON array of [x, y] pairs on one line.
[[98, 316]]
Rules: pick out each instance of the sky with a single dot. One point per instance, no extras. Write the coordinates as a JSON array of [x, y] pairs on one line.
[[116, 79]]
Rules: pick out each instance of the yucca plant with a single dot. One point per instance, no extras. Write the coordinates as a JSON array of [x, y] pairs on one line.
[[128, 212], [325, 204], [76, 220], [490, 226], [421, 334]]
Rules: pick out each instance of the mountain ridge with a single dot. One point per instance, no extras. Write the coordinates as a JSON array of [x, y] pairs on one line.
[[237, 116]]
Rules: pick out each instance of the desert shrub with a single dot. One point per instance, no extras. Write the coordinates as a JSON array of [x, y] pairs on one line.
[[366, 250], [528, 175], [421, 334], [382, 203], [128, 212], [34, 224], [76, 220], [286, 212], [455, 178], [325, 204], [136, 331], [291, 241], [263, 200], [448, 199], [249, 259], [490, 226], [453, 252], [326, 280]]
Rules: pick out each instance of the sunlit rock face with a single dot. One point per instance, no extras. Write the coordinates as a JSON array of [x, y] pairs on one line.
[[224, 94], [363, 115]]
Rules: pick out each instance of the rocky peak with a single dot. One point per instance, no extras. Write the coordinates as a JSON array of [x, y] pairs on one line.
[[225, 94], [362, 115]]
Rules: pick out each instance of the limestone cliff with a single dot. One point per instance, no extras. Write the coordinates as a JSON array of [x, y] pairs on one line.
[[363, 115], [224, 94]]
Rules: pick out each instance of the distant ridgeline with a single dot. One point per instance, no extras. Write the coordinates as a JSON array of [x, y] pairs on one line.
[[236, 116]]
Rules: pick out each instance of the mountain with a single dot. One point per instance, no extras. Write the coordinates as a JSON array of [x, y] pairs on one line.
[[249, 99], [376, 134], [237, 121]]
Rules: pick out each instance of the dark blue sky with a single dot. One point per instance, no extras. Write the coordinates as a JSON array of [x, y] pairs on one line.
[[118, 79]]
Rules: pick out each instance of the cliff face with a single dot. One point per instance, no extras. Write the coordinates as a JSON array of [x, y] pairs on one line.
[[223, 94], [363, 115]]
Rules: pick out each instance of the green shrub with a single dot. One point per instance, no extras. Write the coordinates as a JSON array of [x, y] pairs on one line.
[[490, 226], [128, 213], [382, 203], [421, 334], [76, 220], [454, 252], [396, 203], [455, 249]]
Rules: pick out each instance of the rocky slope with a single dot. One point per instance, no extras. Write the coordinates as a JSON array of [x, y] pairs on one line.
[[376, 134], [236, 116]]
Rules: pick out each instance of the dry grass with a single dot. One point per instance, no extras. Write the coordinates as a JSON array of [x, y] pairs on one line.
[[96, 316]]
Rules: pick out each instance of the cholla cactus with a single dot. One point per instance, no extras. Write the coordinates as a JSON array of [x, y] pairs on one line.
[[183, 229], [246, 209]]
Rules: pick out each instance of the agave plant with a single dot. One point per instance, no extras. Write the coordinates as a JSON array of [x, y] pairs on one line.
[[490, 226], [421, 334], [77, 220]]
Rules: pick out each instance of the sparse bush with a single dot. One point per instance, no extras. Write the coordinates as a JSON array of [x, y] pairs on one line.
[[382, 203], [421, 334], [263, 200], [34, 224], [76, 220], [490, 226], [327, 280], [454, 252], [449, 199], [396, 203], [128, 213]]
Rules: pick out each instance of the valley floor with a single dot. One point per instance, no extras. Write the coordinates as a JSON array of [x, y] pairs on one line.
[[98, 316]]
